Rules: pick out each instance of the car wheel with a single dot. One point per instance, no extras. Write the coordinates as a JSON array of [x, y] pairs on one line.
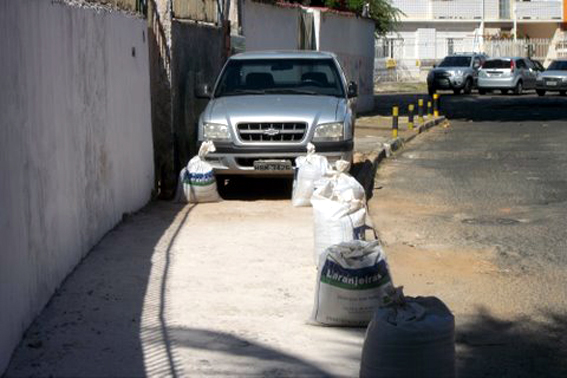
[[456, 91], [504, 91], [519, 88], [562, 93], [481, 91], [431, 90], [540, 92], [468, 86]]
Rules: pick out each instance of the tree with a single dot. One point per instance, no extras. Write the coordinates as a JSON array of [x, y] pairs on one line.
[[385, 15]]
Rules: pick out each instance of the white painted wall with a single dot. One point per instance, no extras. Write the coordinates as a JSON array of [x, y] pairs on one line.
[[75, 145], [352, 39]]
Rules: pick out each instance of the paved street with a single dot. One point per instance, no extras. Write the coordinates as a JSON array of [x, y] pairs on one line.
[[473, 214]]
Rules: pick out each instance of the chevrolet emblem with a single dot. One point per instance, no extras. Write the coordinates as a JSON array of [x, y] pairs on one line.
[[271, 132]]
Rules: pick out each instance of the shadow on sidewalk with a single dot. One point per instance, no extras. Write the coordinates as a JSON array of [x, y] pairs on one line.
[[521, 347], [255, 188], [264, 360], [92, 326]]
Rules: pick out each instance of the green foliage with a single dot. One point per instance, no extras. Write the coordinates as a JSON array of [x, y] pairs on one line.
[[385, 16]]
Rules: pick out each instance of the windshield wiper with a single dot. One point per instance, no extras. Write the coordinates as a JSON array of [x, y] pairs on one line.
[[243, 91], [292, 91]]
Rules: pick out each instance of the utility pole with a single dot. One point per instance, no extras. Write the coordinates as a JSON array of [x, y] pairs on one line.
[[481, 45], [515, 21]]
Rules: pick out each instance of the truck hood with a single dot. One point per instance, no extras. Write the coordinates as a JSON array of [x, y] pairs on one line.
[[232, 110], [554, 74]]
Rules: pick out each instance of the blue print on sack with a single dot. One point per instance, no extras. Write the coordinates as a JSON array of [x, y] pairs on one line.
[[200, 179]]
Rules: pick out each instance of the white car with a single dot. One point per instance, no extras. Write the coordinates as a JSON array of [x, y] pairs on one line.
[[554, 79]]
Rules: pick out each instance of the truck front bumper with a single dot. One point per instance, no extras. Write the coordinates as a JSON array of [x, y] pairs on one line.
[[229, 159]]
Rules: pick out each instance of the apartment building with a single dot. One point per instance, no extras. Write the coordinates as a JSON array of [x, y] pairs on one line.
[[432, 29]]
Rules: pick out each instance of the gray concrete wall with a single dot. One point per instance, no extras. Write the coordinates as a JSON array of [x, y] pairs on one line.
[[197, 57], [75, 145], [352, 39], [270, 27]]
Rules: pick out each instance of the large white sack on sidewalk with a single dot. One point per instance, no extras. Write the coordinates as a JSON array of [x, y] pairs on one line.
[[310, 169], [339, 211], [197, 181], [353, 279], [411, 337]]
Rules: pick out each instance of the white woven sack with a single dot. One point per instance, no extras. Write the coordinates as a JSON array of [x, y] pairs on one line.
[[353, 279], [339, 212], [309, 171], [197, 180]]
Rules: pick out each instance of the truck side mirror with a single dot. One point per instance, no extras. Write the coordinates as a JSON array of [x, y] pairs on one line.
[[352, 90], [203, 91]]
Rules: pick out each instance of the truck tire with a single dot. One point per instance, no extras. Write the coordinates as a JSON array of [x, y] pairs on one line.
[[519, 88], [540, 92], [468, 86]]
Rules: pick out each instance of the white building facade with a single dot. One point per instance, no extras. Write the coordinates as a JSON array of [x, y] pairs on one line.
[[431, 29]]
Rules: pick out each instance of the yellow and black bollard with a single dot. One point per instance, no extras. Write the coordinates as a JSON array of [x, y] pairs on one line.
[[420, 111], [436, 105], [395, 121], [429, 109], [410, 116]]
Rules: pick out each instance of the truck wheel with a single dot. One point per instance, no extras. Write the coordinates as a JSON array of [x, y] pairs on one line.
[[504, 91], [468, 86], [519, 89], [562, 93], [481, 91], [540, 92], [456, 91]]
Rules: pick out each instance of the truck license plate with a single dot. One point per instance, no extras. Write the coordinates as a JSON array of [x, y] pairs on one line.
[[552, 83], [272, 165]]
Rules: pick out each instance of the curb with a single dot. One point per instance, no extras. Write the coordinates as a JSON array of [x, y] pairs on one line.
[[399, 142], [366, 174]]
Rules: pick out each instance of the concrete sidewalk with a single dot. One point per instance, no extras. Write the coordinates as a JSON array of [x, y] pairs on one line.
[[217, 289]]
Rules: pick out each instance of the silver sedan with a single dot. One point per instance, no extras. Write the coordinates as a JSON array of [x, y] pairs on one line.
[[505, 74], [554, 79]]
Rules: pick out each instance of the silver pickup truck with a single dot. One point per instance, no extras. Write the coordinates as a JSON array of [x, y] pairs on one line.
[[267, 106]]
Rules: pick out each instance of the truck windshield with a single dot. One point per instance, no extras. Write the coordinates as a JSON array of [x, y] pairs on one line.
[[280, 76], [456, 61], [558, 65]]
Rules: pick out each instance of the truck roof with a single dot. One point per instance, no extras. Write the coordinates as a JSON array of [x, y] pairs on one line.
[[290, 54]]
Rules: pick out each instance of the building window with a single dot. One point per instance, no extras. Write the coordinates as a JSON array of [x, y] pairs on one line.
[[393, 47], [504, 9], [450, 46]]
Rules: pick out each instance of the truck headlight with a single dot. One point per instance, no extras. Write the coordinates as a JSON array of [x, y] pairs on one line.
[[329, 132], [214, 131]]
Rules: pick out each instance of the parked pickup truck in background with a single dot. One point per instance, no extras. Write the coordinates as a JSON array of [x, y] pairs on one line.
[[267, 106]]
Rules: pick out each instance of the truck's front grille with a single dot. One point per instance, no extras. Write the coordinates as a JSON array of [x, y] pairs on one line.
[[272, 131]]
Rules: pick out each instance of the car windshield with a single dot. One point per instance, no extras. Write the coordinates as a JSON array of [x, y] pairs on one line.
[[497, 63], [280, 76], [558, 65], [456, 61]]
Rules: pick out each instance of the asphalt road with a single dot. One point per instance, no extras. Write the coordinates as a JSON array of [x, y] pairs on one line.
[[492, 186]]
